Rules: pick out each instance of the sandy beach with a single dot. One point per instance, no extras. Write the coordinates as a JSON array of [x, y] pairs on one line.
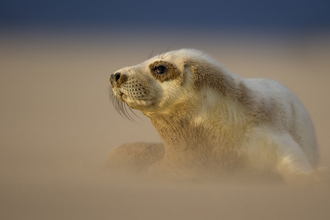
[[58, 126]]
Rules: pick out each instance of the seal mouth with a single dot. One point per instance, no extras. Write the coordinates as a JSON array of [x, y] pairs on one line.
[[120, 96], [123, 97]]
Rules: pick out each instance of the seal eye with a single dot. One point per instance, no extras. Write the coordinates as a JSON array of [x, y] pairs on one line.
[[160, 69]]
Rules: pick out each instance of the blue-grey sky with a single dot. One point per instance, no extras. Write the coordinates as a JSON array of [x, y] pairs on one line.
[[290, 14]]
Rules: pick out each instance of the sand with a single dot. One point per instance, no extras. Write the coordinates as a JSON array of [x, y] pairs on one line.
[[57, 125]]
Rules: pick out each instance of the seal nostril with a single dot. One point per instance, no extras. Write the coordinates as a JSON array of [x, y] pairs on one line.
[[118, 79], [117, 76]]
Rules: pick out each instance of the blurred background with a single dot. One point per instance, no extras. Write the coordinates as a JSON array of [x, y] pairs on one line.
[[57, 124], [294, 15]]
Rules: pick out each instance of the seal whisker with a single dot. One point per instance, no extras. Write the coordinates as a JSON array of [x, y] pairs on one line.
[[121, 107], [128, 111], [151, 53], [163, 55], [160, 55]]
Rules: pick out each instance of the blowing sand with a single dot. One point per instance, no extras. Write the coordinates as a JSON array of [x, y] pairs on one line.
[[57, 127]]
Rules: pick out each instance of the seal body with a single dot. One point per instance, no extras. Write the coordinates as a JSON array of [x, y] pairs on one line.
[[214, 122]]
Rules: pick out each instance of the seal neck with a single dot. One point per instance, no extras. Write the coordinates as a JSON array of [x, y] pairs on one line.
[[181, 132], [196, 144]]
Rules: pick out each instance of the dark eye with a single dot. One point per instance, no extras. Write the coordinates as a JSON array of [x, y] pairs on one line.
[[160, 69]]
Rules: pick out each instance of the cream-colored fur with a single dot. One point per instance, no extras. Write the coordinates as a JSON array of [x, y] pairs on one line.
[[214, 122]]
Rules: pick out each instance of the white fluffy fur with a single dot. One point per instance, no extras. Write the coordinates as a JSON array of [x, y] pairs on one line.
[[287, 145]]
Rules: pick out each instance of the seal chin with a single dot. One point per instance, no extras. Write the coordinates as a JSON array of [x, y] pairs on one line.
[[133, 103], [139, 104]]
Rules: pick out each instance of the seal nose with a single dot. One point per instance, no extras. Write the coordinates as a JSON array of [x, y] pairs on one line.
[[118, 79], [116, 76]]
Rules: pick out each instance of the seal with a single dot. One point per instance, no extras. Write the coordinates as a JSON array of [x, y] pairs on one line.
[[213, 122]]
